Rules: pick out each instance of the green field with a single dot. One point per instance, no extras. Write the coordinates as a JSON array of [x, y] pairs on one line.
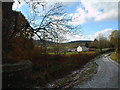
[[70, 53]]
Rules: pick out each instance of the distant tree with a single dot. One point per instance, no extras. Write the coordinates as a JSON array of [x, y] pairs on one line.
[[102, 42], [87, 44], [58, 46], [115, 39], [94, 44]]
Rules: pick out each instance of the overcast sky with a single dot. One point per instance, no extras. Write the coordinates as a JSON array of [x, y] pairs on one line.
[[95, 17]]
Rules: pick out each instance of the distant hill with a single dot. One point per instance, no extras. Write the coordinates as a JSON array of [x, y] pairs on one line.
[[80, 41], [38, 42]]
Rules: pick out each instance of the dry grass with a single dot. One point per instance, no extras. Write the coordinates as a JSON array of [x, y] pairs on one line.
[[116, 57]]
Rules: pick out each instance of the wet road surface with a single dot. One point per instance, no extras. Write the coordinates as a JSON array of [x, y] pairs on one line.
[[106, 76]]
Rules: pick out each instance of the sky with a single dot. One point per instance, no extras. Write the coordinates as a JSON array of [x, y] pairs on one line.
[[96, 17]]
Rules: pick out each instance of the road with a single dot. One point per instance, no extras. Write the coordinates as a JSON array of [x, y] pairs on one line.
[[106, 76]]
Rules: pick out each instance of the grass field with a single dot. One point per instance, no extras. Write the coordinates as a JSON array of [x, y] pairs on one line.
[[70, 53], [116, 57]]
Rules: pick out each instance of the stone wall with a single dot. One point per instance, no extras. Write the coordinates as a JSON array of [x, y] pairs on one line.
[[17, 75]]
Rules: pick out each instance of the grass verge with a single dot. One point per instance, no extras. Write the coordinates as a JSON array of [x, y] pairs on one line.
[[116, 57]]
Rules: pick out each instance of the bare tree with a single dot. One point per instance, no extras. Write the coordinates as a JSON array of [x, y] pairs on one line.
[[58, 46], [50, 22], [102, 42]]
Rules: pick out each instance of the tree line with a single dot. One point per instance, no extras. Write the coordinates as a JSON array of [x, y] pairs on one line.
[[113, 41]]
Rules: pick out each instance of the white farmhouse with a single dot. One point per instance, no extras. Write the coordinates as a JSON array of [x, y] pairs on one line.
[[82, 48]]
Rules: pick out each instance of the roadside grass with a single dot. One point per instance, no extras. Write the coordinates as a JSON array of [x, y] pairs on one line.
[[116, 57], [70, 53], [92, 69], [88, 73]]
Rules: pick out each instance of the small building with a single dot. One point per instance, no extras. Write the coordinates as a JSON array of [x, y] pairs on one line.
[[82, 48], [92, 49], [71, 49]]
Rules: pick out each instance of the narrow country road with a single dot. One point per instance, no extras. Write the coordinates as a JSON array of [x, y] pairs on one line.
[[106, 76]]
